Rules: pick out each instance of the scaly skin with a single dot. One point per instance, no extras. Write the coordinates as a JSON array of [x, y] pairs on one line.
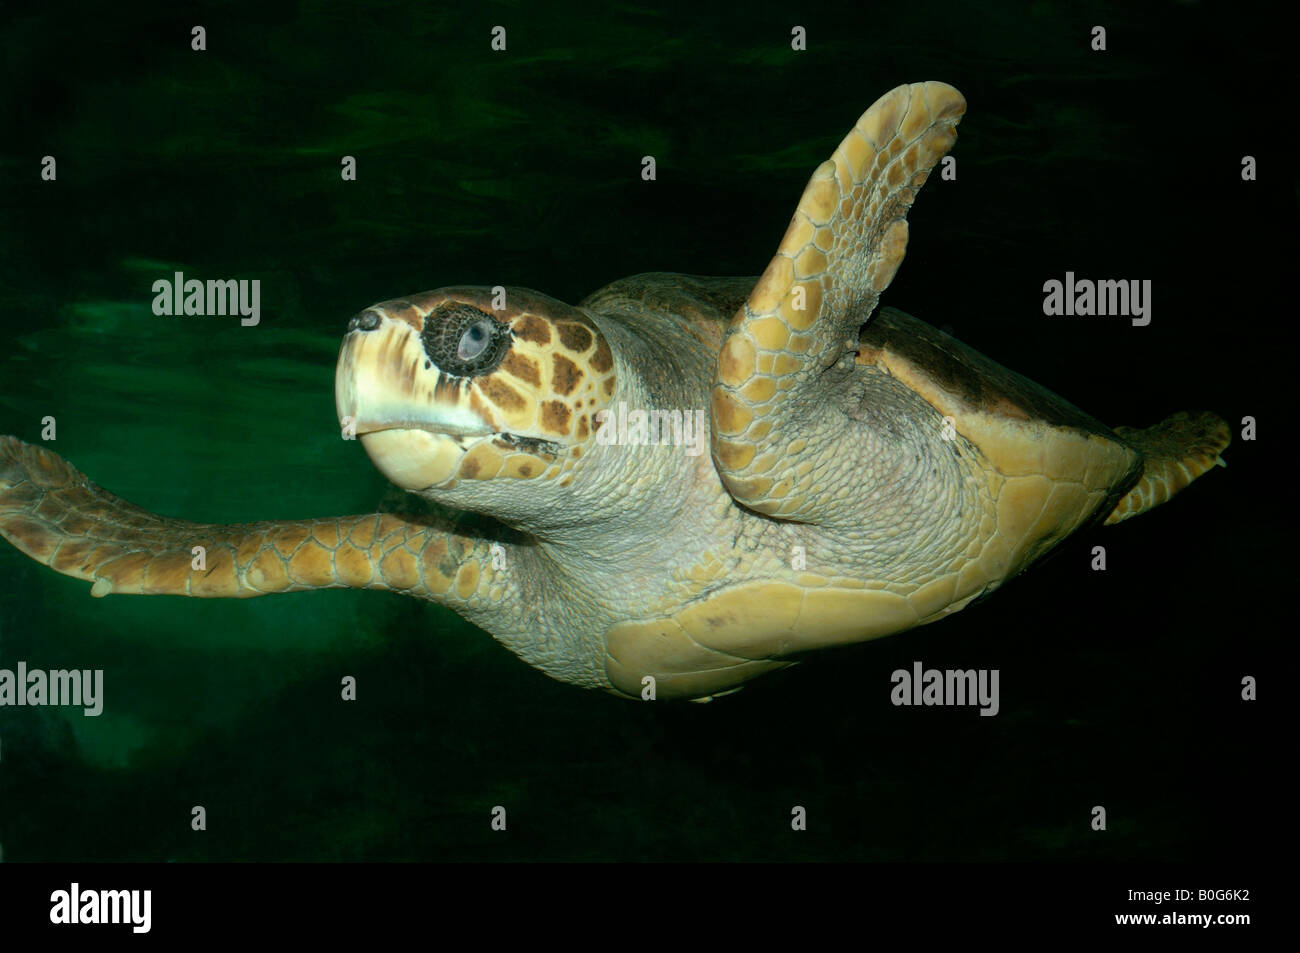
[[868, 474], [618, 542], [775, 407], [51, 512]]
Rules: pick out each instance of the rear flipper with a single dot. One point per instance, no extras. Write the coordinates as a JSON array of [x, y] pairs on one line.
[[1177, 451]]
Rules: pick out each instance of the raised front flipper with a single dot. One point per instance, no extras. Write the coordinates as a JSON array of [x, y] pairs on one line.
[[51, 512], [773, 402]]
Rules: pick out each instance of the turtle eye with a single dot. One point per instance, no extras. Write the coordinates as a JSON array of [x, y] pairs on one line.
[[464, 341], [475, 340]]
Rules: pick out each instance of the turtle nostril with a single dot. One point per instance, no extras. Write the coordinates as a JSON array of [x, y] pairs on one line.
[[365, 321]]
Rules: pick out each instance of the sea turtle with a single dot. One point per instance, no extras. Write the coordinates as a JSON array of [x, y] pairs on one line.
[[862, 476]]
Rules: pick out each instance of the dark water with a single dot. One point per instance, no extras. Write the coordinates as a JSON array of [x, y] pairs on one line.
[[522, 168]]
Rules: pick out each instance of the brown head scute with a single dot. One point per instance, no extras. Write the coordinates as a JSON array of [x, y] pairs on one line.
[[524, 368], [502, 394], [463, 384], [532, 329], [574, 336], [556, 417], [567, 376]]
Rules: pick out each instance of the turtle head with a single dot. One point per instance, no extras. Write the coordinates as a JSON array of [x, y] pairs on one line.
[[444, 390]]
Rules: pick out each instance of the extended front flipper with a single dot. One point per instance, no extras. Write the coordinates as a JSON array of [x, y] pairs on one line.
[[51, 512]]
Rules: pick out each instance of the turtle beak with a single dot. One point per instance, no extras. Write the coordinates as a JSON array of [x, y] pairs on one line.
[[414, 459], [386, 392]]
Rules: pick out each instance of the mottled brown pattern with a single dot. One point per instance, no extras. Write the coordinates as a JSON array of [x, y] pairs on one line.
[[532, 328], [574, 336], [566, 376], [555, 417], [524, 368], [602, 360], [497, 391]]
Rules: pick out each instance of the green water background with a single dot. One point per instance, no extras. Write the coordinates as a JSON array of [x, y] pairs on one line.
[[523, 168]]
